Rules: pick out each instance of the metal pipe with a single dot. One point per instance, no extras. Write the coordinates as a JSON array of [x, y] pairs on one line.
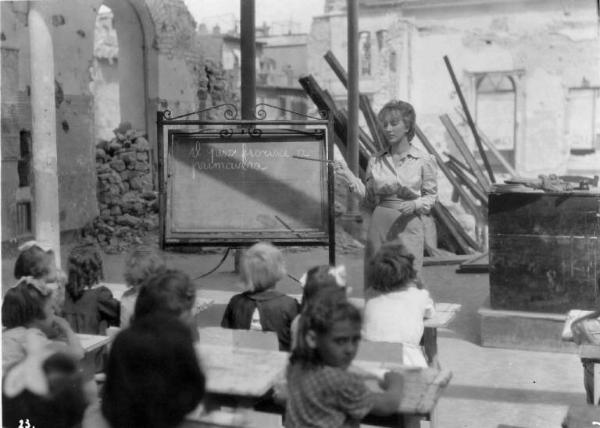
[[353, 96], [248, 51]]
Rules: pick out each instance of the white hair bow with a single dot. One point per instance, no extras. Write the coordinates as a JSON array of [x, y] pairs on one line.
[[29, 373], [33, 243], [338, 272], [38, 284]]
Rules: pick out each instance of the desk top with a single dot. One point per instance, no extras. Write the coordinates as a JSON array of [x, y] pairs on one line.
[[241, 371], [444, 312], [90, 342], [422, 386]]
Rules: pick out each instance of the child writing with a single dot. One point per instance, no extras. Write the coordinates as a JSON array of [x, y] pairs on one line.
[[140, 264], [172, 293], [89, 307], [38, 263], [315, 280], [28, 309], [321, 391], [153, 378], [261, 307], [397, 313], [44, 389]]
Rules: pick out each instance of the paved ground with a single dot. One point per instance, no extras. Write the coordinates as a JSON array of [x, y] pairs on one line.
[[489, 386]]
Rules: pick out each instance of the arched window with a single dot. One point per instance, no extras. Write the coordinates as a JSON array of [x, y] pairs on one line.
[[495, 111], [364, 50]]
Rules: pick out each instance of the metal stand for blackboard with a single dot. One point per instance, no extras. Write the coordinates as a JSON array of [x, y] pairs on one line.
[[176, 134]]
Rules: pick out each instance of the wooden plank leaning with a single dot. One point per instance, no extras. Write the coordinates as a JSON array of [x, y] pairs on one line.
[[507, 166], [463, 103], [462, 238], [466, 198], [475, 190], [324, 102], [364, 103], [483, 181]]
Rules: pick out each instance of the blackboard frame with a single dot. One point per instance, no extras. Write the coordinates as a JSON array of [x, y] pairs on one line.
[[308, 129]]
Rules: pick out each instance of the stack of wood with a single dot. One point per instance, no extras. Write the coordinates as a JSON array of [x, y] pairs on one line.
[[467, 177]]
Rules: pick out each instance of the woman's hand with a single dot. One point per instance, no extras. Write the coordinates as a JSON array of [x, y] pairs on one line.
[[341, 170], [62, 324], [407, 207]]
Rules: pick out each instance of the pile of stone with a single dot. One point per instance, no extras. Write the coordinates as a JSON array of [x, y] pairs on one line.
[[127, 203]]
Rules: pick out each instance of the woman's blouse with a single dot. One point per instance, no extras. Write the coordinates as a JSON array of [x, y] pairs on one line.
[[413, 177]]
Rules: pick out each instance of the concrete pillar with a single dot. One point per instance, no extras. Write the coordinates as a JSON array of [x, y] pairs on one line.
[[43, 116]]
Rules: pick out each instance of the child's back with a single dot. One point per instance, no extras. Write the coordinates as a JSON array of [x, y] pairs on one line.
[[262, 307], [397, 316], [275, 311], [89, 307], [93, 312], [397, 313]]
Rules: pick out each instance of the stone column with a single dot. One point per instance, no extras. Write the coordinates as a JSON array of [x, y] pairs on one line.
[[43, 115]]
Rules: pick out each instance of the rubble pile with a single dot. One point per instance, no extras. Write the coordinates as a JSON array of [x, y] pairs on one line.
[[127, 203]]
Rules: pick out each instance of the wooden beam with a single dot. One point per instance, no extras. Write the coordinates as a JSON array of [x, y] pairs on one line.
[[475, 190], [466, 153], [486, 162], [466, 198], [507, 166], [443, 216], [324, 102], [364, 103]]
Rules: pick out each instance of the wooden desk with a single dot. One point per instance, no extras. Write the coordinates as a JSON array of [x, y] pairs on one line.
[[582, 416], [91, 342], [241, 373]]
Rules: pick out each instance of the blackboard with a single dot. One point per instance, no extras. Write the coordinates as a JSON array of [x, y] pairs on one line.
[[240, 187]]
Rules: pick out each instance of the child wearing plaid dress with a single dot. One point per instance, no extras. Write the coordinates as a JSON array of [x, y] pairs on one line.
[[321, 390]]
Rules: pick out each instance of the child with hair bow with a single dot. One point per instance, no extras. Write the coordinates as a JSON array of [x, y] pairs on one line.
[[37, 263], [314, 282]]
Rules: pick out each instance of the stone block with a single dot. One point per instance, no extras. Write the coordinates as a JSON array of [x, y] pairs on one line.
[[117, 164], [532, 331]]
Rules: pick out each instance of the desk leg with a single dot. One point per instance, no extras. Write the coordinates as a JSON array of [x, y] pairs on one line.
[[430, 345], [596, 383]]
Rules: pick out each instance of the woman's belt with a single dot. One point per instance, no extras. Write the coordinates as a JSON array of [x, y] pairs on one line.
[[393, 203]]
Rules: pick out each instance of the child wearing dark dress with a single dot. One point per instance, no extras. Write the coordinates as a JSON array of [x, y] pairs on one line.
[[261, 307], [89, 307]]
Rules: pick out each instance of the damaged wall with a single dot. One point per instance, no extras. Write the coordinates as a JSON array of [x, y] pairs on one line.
[[163, 41], [548, 48]]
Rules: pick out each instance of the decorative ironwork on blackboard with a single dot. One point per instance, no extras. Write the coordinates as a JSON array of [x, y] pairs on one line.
[[261, 113], [230, 112]]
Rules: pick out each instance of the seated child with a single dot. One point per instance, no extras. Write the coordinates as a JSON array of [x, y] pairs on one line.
[[89, 307], [586, 329], [172, 293], [321, 390], [261, 307], [44, 389], [38, 263], [397, 313], [315, 280], [153, 378], [140, 264], [28, 309]]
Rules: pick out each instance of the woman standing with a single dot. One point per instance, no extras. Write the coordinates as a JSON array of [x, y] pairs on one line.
[[400, 182]]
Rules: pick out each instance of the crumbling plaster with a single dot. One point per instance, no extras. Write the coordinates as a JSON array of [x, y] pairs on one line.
[[168, 76], [547, 46]]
